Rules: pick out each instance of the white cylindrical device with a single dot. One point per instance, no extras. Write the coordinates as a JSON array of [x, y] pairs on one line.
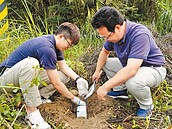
[[82, 111]]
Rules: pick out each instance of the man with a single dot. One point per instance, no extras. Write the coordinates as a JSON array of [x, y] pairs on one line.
[[45, 51], [139, 63]]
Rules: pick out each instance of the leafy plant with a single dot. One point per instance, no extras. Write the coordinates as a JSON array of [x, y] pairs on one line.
[[161, 96], [9, 109], [135, 125], [163, 20]]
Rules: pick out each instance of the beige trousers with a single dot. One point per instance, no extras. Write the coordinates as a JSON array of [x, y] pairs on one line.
[[22, 74], [139, 85]]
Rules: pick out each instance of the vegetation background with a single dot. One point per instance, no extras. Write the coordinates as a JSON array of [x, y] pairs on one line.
[[31, 18]]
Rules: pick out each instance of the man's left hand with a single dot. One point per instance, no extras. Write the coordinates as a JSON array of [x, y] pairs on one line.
[[82, 86], [101, 93]]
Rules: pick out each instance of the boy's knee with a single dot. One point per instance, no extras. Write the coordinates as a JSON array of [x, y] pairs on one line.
[[29, 65], [32, 61]]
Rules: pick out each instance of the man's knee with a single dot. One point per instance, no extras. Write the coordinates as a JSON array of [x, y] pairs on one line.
[[138, 88], [134, 84], [31, 62], [28, 68]]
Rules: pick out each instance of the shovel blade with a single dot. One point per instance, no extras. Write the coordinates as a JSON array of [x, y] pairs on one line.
[[91, 90]]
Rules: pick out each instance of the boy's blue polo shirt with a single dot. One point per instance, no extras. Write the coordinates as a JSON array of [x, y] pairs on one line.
[[137, 43], [42, 48]]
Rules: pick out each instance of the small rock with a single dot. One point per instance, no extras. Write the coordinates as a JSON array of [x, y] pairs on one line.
[[74, 92]]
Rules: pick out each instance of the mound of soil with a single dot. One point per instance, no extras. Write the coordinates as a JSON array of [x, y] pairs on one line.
[[62, 111]]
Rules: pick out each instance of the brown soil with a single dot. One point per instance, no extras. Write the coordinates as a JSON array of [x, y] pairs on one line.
[[63, 111], [109, 114]]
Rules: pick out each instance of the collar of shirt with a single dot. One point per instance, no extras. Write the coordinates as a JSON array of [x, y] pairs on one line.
[[126, 31]]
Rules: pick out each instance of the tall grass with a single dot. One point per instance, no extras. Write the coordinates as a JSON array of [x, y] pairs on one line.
[[162, 97], [88, 43], [163, 20]]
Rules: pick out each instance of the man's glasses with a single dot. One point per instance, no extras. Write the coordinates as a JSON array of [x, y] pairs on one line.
[[108, 36], [68, 41]]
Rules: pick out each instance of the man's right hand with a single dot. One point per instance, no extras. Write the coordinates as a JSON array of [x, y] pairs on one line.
[[96, 76], [78, 102]]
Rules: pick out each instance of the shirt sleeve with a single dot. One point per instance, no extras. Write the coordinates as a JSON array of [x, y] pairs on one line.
[[140, 47], [108, 46], [60, 55], [47, 59]]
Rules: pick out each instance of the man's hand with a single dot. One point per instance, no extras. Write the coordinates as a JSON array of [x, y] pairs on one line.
[[101, 93], [78, 102], [82, 86], [96, 75]]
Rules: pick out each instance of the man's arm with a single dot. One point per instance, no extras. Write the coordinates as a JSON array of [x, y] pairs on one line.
[[82, 84], [66, 69], [104, 54], [120, 77], [56, 82]]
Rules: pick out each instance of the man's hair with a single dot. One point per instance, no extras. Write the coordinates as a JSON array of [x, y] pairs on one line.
[[70, 31], [108, 17]]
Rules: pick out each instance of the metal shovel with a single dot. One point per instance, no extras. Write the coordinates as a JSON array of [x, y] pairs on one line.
[[82, 110], [91, 90]]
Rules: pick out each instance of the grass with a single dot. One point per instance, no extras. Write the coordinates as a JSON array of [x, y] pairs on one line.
[[164, 17]]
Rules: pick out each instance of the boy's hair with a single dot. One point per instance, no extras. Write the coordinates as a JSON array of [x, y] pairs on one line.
[[108, 17], [70, 31]]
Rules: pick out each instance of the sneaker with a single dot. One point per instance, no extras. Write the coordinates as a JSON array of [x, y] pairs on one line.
[[35, 121], [44, 100], [118, 94], [143, 113]]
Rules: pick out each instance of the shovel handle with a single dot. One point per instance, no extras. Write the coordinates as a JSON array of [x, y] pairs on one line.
[[99, 75]]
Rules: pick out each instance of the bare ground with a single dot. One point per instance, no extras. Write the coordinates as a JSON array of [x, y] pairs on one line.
[[112, 113], [64, 112]]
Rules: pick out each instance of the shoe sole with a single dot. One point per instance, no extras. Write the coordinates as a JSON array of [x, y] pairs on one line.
[[31, 125], [119, 97], [148, 116], [46, 101], [34, 126]]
